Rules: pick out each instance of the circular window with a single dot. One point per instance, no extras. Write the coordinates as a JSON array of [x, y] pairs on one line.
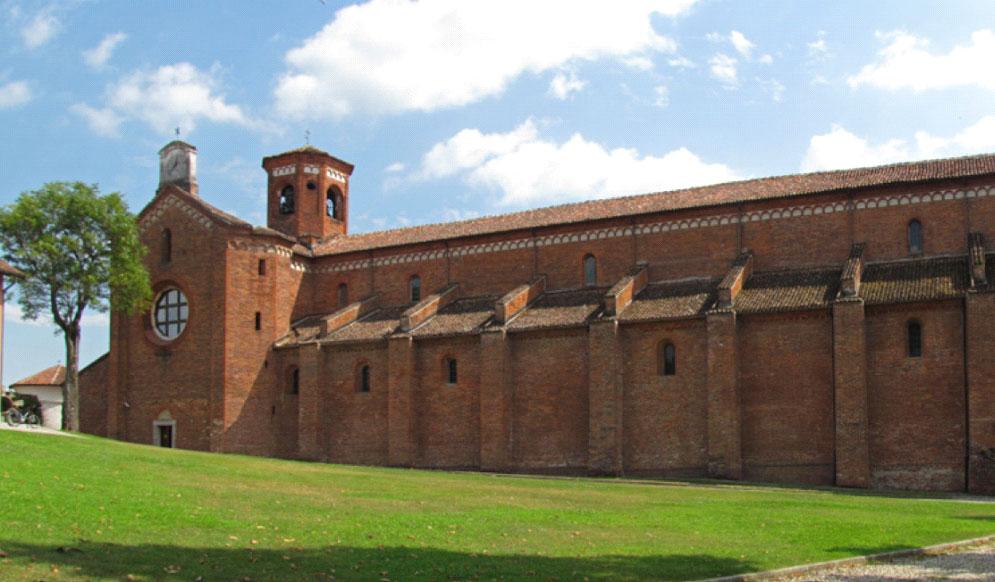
[[169, 315]]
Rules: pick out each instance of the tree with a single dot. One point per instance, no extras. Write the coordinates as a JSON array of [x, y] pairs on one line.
[[77, 249]]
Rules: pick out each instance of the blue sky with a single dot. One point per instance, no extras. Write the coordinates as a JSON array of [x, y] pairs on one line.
[[454, 109]]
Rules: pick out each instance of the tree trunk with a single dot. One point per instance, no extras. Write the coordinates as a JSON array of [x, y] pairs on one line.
[[70, 389]]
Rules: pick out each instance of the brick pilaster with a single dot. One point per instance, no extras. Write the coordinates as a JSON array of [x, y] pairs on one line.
[[725, 455], [853, 467], [400, 382], [496, 401], [309, 403], [605, 393], [980, 337]]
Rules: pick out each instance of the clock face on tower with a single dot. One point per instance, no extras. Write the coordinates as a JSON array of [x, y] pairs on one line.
[[175, 166]]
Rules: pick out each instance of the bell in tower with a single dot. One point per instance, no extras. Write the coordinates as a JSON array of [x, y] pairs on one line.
[[308, 194]]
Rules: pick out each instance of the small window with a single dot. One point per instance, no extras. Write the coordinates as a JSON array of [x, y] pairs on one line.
[[915, 339], [311, 185], [167, 246], [667, 365], [451, 371], [590, 271], [287, 200], [259, 321], [262, 267], [343, 295], [333, 203], [915, 238], [295, 381], [363, 383], [414, 287]]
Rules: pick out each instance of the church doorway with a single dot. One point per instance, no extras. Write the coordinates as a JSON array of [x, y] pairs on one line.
[[164, 433]]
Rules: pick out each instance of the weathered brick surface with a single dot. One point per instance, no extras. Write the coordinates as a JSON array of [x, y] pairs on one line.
[[916, 409], [783, 381], [786, 387]]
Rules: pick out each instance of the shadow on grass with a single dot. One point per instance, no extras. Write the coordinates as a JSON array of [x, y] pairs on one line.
[[92, 560]]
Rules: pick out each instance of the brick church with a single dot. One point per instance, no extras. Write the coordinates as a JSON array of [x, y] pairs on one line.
[[827, 328]]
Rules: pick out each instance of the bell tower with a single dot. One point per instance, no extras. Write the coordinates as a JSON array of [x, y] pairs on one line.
[[308, 194], [178, 166]]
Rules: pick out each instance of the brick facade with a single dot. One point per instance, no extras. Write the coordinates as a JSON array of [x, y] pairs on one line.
[[787, 302]]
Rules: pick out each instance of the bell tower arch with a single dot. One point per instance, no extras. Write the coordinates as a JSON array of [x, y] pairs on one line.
[[307, 194]]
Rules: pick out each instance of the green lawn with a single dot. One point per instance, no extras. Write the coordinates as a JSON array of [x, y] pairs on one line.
[[88, 508]]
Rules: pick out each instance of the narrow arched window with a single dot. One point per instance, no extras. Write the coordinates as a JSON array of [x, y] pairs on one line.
[[343, 295], [414, 288], [363, 381], [667, 359], [333, 203], [167, 246], [915, 237], [295, 381], [451, 371], [590, 271], [915, 339], [287, 200]]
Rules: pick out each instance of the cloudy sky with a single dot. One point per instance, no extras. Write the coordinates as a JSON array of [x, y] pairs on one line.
[[454, 109]]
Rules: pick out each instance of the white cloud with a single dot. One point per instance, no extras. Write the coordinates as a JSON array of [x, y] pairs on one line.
[[841, 149], [907, 63], [394, 168], [563, 84], [681, 63], [723, 68], [765, 59], [40, 29], [526, 169], [98, 56], [776, 89], [105, 122], [742, 44], [14, 93], [179, 95], [392, 56], [818, 48], [661, 96]]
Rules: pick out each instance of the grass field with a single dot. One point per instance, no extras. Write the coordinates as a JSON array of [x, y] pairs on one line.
[[88, 508]]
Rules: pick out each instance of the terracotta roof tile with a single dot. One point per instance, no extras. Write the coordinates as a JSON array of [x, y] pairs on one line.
[[53, 376], [732, 192], [672, 300], [461, 317], [787, 291], [375, 326], [6, 269], [915, 280], [557, 309]]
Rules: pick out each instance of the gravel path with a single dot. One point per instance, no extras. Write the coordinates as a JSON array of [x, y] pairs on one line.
[[973, 563]]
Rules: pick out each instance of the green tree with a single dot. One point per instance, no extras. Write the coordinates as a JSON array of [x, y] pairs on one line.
[[77, 249]]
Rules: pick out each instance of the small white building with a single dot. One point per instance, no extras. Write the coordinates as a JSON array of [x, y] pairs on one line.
[[47, 387]]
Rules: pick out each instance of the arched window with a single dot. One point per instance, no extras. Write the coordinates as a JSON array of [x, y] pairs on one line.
[[287, 200], [363, 380], [915, 339], [414, 288], [451, 371], [915, 237], [343, 295], [333, 203], [167, 246], [667, 359], [590, 271], [295, 381]]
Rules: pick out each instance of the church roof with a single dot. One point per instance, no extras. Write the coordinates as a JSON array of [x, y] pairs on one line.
[[714, 195], [53, 376], [6, 269], [915, 280], [788, 291], [672, 300]]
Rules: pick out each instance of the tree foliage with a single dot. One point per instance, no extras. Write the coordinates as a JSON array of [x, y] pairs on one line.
[[77, 247]]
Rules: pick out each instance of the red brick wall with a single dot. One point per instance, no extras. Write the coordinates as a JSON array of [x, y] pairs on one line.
[[356, 422], [447, 416], [800, 241], [94, 381], [786, 386], [664, 417], [916, 405], [550, 423]]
